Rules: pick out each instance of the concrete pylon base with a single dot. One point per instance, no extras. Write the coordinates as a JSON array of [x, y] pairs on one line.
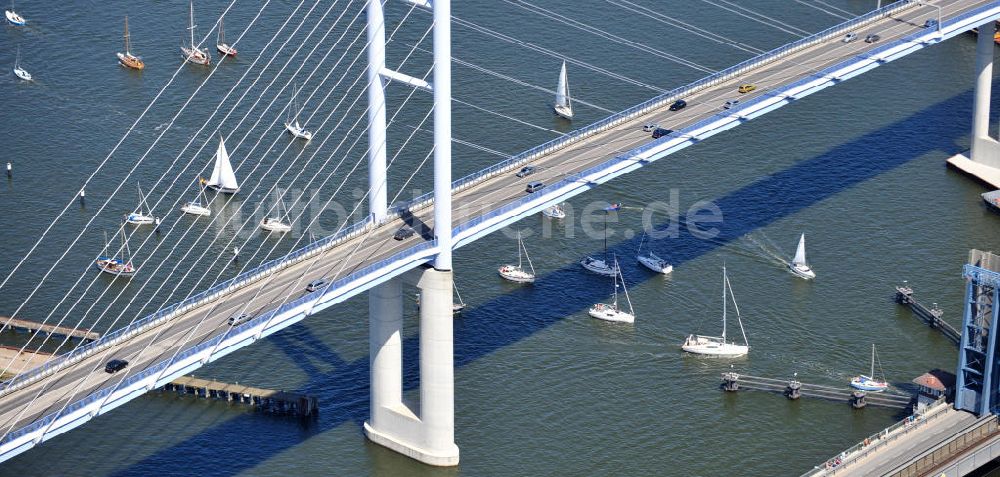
[[411, 450], [977, 170]]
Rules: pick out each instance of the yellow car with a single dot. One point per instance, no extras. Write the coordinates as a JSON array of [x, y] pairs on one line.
[[746, 88]]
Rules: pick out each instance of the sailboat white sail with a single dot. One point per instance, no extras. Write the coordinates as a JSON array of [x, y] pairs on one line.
[[192, 53], [717, 345], [292, 122], [563, 106], [142, 214], [799, 266], [870, 382], [223, 178], [18, 71], [604, 311], [517, 273], [198, 205]]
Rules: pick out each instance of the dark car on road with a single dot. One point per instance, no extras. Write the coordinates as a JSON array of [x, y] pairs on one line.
[[238, 319], [678, 105], [660, 132], [872, 38], [115, 365], [525, 171], [403, 233]]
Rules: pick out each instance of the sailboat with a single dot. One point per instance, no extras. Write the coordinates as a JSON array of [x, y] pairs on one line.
[[276, 224], [556, 212], [221, 45], [142, 214], [798, 265], [197, 206], [517, 273], [603, 311], [456, 307], [717, 345], [563, 106], [12, 17], [194, 54], [223, 179], [292, 122], [18, 71], [869, 382], [653, 261], [597, 265], [120, 266], [127, 59]]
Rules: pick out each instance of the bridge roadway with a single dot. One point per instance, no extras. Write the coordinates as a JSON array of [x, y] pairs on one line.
[[53, 392]]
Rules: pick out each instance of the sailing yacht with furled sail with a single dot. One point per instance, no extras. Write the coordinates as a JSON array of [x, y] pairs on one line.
[[194, 54], [221, 45], [798, 265], [113, 265], [717, 345], [606, 312], [563, 106], [142, 214], [292, 122], [556, 212], [597, 265], [223, 178], [12, 17], [277, 224], [127, 59], [517, 273], [198, 205], [870, 382], [652, 261], [18, 71]]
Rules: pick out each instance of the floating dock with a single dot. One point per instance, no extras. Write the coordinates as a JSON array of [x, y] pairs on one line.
[[15, 324], [930, 316], [794, 389], [266, 400], [22, 361]]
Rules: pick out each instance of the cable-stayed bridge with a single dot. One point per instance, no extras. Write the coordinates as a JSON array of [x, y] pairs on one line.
[[71, 389]]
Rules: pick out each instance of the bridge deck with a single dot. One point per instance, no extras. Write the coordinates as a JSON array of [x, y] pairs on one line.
[[53, 392]]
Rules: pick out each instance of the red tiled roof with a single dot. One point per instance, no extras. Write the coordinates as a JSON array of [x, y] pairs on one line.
[[936, 379]]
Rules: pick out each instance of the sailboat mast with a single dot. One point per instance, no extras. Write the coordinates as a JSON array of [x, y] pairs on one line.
[[871, 373], [126, 36], [723, 303], [191, 21], [605, 237], [222, 33]]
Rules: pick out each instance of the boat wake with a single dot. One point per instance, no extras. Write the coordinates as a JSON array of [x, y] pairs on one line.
[[763, 247]]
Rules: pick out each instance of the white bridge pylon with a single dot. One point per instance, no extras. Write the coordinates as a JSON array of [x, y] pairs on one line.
[[983, 160], [424, 431]]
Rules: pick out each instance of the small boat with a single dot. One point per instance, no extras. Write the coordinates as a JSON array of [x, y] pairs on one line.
[[518, 274], [717, 345], [13, 18], [869, 382], [223, 178], [127, 59], [456, 307], [599, 266], [653, 261], [292, 122], [18, 71], [992, 200], [118, 266], [612, 312], [556, 212], [798, 265], [142, 214], [221, 45], [563, 106], [277, 224], [194, 54], [197, 206]]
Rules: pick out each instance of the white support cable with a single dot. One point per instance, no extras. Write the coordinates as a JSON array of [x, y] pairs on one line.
[[467, 143], [834, 7], [495, 113], [771, 22], [828, 12], [608, 35], [681, 25]]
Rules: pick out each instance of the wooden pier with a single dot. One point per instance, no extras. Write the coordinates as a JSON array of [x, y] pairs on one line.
[[25, 325], [794, 389], [266, 400], [930, 316], [22, 361]]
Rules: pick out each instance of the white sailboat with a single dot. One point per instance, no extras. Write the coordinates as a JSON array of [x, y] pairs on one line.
[[223, 178], [517, 273], [221, 45], [653, 261], [276, 224], [597, 265], [556, 212], [198, 205], [798, 265], [12, 17], [604, 311], [119, 266], [292, 122], [870, 382], [142, 214], [18, 71], [193, 53], [563, 106], [717, 345]]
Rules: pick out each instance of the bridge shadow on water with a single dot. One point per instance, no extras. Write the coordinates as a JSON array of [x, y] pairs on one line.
[[937, 128]]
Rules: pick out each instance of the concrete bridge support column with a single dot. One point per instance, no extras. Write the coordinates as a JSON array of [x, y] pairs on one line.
[[424, 431], [983, 160]]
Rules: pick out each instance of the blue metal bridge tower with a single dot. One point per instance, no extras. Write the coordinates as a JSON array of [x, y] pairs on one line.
[[978, 381]]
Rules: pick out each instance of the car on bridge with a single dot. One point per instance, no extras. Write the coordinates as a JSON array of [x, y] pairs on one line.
[[534, 186], [315, 285], [525, 171], [850, 37], [730, 104], [238, 319], [660, 132], [678, 105], [746, 88], [115, 365], [930, 23], [872, 38], [403, 233], [649, 127]]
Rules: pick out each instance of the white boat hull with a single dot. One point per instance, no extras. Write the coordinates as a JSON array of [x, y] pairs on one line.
[[196, 209], [274, 225], [225, 49], [802, 271], [114, 267], [563, 111], [655, 264], [864, 383], [606, 312], [196, 56], [13, 18], [139, 219], [223, 190], [21, 73], [598, 266], [555, 212], [516, 274], [713, 346]]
